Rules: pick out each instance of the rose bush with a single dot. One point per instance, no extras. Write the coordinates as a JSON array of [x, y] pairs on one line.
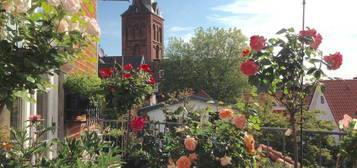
[[278, 65], [37, 37], [131, 88]]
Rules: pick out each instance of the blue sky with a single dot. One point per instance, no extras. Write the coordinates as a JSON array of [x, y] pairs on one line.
[[332, 19]]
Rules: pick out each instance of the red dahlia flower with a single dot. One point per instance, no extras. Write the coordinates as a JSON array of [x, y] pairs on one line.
[[105, 72], [245, 52], [128, 67], [126, 76], [334, 60], [145, 67], [152, 81], [35, 118], [137, 124], [257, 43], [249, 68]]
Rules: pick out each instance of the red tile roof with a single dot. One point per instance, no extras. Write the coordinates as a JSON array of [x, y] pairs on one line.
[[276, 156], [341, 96]]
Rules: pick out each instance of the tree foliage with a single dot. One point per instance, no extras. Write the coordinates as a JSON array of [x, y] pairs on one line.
[[209, 61]]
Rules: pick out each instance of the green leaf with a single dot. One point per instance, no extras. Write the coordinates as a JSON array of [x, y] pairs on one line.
[[24, 95], [90, 59], [30, 79], [311, 70], [281, 31]]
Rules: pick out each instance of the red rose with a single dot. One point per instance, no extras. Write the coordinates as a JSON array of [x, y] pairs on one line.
[[245, 52], [128, 67], [334, 60], [308, 32], [137, 124], [317, 41], [257, 43], [105, 72], [35, 118], [313, 34], [152, 81], [145, 67], [249, 68], [126, 76], [113, 90]]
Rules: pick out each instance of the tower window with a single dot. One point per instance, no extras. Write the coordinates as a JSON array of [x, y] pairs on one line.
[[160, 35], [157, 52]]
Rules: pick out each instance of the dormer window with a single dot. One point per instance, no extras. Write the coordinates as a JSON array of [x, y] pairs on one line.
[[322, 99]]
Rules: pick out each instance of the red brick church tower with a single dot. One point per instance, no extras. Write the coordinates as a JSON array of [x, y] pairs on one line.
[[142, 30]]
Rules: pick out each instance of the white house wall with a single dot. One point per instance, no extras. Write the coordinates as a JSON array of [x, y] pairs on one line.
[[317, 105]]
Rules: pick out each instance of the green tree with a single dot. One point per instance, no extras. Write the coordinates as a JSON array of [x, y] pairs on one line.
[[209, 61]]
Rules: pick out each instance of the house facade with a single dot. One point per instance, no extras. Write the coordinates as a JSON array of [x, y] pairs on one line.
[[338, 99]]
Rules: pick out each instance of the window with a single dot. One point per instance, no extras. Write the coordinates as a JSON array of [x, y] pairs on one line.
[[160, 35], [322, 100], [154, 29], [157, 52]]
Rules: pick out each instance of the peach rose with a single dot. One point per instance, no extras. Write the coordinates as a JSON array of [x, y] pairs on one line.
[[54, 2], [190, 143], [62, 26], [193, 157], [71, 6], [73, 26], [225, 161], [239, 121], [226, 113], [249, 143], [183, 162], [21, 6], [93, 27], [8, 6]]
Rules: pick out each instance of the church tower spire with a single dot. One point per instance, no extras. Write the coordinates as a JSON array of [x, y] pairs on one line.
[[142, 30]]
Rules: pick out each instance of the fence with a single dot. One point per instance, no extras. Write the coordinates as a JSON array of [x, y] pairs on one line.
[[273, 137]]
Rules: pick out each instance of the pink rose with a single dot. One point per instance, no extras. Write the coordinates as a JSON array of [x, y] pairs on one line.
[[190, 143], [137, 124], [93, 27], [35, 118], [71, 6], [225, 161], [240, 121], [249, 68], [257, 43], [183, 162]]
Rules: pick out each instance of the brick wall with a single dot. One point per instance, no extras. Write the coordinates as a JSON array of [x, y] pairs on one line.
[[82, 64]]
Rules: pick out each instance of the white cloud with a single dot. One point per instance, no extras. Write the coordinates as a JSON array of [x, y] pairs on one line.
[[330, 18], [187, 37], [180, 29]]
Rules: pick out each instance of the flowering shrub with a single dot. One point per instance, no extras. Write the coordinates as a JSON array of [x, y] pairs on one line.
[[126, 88], [277, 66], [217, 143], [88, 151], [36, 38], [348, 145]]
